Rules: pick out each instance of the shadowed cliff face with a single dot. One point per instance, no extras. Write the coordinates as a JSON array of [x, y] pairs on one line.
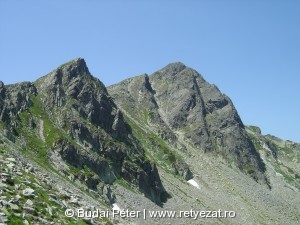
[[70, 114], [183, 106]]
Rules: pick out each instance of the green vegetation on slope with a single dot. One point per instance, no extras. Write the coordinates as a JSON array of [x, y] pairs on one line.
[[156, 148]]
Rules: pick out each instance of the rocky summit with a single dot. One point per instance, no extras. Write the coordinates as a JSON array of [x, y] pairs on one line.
[[164, 148]]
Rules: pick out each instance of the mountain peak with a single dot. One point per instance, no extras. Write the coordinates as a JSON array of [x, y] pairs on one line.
[[76, 61], [77, 65], [65, 73], [173, 68], [176, 64]]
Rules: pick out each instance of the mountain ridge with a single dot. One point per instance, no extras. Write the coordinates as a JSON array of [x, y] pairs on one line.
[[139, 143]]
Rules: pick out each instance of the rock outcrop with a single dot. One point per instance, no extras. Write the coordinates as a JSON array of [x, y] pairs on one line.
[[182, 105], [78, 120]]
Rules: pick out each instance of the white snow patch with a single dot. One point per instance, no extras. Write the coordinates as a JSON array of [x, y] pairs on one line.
[[194, 183], [116, 207]]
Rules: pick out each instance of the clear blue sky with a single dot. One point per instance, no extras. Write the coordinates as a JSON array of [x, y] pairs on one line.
[[249, 49]]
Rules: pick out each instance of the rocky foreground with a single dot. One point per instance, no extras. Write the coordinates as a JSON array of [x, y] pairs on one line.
[[31, 194]]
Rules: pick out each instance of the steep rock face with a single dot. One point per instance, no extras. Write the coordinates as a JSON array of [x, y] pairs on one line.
[[14, 99], [137, 98], [139, 101], [183, 105], [73, 81], [68, 116], [180, 102]]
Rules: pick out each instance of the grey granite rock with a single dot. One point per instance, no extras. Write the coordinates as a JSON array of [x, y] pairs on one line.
[[28, 192], [182, 105]]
